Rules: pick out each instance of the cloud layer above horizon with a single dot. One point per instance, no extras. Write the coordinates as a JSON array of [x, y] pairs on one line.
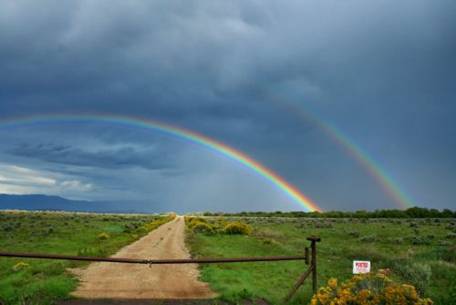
[[247, 73]]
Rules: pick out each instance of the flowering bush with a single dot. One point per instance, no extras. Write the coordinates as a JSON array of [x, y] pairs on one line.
[[237, 228], [103, 236], [193, 221], [202, 227], [368, 289], [20, 266]]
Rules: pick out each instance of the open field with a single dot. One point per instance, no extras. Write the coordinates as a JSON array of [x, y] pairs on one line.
[[25, 281], [418, 251]]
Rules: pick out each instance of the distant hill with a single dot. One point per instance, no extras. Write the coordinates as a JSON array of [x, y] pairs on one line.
[[56, 203]]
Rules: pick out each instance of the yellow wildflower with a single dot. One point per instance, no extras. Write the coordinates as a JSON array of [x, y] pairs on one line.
[[332, 283], [368, 289]]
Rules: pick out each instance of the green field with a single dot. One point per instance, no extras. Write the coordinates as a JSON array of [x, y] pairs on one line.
[[421, 252], [26, 281], [418, 251]]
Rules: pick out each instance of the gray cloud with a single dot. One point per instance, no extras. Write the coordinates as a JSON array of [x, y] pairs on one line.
[[383, 73], [103, 158]]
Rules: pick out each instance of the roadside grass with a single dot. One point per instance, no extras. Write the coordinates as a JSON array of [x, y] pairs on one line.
[[33, 281], [419, 252]]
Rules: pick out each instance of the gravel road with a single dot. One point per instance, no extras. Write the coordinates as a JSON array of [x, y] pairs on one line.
[[128, 281]]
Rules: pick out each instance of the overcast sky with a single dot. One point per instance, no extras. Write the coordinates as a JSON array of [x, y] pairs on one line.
[[260, 76]]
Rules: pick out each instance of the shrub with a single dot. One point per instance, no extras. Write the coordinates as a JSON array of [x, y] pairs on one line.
[[193, 221], [451, 236], [201, 227], [449, 254], [20, 266], [323, 225], [127, 228], [396, 240], [237, 228], [445, 243], [368, 290], [416, 240], [417, 274], [269, 241], [103, 236], [7, 228], [368, 239], [354, 234]]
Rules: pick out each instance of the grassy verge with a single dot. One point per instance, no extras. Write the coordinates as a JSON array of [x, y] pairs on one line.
[[27, 281], [420, 252]]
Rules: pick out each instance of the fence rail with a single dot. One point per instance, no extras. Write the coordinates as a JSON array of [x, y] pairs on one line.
[[154, 261]]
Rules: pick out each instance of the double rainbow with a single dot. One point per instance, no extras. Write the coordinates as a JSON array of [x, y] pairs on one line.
[[279, 182], [386, 182], [373, 168]]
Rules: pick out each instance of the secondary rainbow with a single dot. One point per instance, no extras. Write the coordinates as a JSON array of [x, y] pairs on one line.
[[386, 182], [290, 190]]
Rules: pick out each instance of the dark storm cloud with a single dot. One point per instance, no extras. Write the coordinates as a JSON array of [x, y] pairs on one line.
[[112, 158], [383, 72]]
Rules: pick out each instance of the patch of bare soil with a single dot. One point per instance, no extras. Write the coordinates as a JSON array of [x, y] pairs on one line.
[[136, 282]]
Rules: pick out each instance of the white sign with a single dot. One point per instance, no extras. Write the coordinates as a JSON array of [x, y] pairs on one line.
[[361, 267]]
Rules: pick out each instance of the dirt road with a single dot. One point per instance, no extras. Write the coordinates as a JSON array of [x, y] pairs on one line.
[[127, 281]]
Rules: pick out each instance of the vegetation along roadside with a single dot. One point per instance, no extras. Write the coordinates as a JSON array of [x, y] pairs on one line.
[[419, 252], [32, 281]]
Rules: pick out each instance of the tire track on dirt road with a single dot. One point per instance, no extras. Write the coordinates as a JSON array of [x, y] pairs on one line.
[[128, 281]]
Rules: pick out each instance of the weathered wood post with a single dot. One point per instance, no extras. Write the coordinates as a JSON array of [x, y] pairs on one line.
[[306, 255], [313, 263], [312, 268]]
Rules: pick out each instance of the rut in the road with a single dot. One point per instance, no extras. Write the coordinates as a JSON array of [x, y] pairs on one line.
[[127, 281]]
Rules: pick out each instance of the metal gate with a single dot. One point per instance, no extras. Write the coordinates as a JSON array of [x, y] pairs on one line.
[[309, 257]]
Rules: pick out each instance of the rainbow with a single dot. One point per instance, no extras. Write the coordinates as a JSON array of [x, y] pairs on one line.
[[291, 191], [386, 182], [389, 186]]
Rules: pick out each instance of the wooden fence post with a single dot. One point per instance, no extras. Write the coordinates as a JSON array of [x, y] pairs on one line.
[[313, 263], [311, 270]]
